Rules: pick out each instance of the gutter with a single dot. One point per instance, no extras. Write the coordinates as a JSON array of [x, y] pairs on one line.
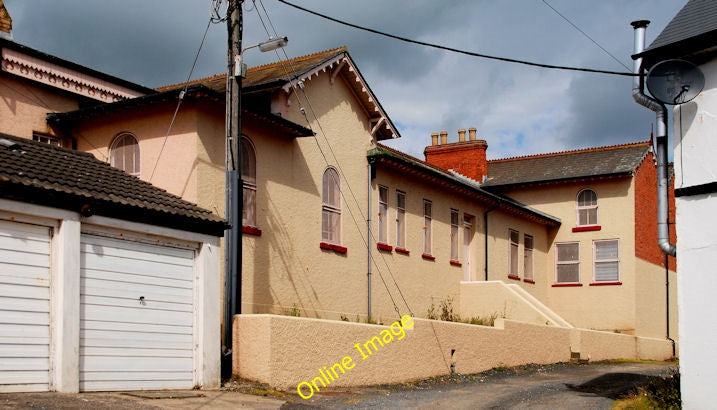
[[638, 94]]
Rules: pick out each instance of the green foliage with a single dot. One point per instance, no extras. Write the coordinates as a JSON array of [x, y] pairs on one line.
[[445, 312], [659, 393], [295, 311]]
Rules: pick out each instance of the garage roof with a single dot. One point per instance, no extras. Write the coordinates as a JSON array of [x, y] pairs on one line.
[[62, 178]]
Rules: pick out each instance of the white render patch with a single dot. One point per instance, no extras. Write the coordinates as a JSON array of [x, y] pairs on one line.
[[136, 316], [24, 307], [63, 78]]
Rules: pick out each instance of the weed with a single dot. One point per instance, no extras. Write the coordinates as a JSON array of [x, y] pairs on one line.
[[344, 318], [295, 311]]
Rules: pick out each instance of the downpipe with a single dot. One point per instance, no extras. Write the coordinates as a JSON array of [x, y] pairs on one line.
[[638, 94]]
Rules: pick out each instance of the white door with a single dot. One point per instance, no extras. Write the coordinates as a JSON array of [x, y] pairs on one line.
[[467, 241], [24, 307], [136, 315]]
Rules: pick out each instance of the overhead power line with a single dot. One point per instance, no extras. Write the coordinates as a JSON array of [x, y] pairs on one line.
[[455, 50], [585, 34]]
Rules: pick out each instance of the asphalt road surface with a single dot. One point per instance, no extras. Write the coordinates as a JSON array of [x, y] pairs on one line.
[[561, 386]]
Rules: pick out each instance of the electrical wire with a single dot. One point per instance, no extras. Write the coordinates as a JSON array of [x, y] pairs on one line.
[[455, 50], [301, 91], [585, 34], [184, 90]]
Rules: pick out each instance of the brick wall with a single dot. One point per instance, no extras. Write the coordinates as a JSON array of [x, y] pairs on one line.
[[646, 214], [467, 158]]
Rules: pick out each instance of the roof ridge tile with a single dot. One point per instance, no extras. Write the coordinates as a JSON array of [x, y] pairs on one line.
[[572, 152]]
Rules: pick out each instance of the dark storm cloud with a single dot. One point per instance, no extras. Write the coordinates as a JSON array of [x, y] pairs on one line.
[[518, 109]]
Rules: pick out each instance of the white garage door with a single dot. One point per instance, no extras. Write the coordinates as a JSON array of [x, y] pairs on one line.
[[24, 307], [136, 316]]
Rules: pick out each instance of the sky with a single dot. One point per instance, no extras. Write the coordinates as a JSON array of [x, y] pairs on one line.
[[517, 109]]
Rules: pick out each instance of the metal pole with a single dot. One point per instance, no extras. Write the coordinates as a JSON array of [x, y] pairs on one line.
[[234, 184]]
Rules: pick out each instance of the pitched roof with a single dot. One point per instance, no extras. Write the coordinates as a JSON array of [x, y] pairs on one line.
[[287, 74], [61, 178], [456, 183], [269, 75], [615, 160], [693, 29], [195, 91]]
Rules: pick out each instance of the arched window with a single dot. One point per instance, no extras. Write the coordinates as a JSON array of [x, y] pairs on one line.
[[331, 207], [248, 176], [587, 208], [124, 153]]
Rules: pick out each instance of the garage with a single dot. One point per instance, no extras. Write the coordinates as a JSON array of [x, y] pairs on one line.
[[136, 315], [24, 307], [107, 283]]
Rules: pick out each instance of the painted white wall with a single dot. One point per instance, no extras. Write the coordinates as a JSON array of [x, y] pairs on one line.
[[695, 144]]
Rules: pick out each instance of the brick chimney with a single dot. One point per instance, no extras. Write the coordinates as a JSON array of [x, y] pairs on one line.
[[5, 23], [465, 157]]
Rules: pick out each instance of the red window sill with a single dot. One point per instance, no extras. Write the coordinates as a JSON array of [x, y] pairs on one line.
[[566, 285], [514, 277], [250, 230], [529, 281], [587, 228], [332, 247], [456, 263], [384, 247], [606, 284], [402, 251], [428, 257]]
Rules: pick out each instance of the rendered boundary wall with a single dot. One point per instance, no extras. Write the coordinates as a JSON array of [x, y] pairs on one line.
[[284, 351]]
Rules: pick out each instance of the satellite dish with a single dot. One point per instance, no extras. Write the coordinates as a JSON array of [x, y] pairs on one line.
[[675, 82]]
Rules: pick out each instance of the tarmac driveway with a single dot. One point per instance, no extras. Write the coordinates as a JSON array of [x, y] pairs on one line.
[[563, 385]]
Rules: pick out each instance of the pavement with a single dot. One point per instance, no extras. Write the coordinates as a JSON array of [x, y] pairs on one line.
[[562, 385], [175, 399]]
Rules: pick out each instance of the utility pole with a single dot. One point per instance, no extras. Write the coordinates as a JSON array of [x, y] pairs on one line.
[[234, 184]]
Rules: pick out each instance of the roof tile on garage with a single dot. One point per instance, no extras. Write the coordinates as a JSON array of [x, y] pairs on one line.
[[62, 178]]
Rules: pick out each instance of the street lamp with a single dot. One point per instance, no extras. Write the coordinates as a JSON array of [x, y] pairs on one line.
[[268, 45]]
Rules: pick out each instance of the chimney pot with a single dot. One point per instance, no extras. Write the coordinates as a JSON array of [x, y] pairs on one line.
[[444, 137], [461, 134], [434, 138], [472, 133]]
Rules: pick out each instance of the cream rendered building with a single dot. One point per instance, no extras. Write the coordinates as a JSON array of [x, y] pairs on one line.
[[306, 248]]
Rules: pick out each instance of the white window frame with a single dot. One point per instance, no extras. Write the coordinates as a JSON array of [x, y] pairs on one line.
[[47, 139], [597, 261], [454, 235], [586, 208], [514, 243], [558, 262], [528, 266], [331, 211], [427, 227], [248, 183], [400, 219], [113, 158]]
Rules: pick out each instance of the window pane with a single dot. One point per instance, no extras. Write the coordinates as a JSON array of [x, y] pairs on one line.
[[248, 161], [606, 250], [528, 242], [400, 200], [606, 271], [514, 259], [587, 197], [427, 209], [567, 252], [528, 262], [568, 273], [514, 237], [427, 236], [249, 208]]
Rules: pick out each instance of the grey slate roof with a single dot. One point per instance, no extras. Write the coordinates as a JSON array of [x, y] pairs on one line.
[[617, 160], [691, 33], [62, 178], [385, 155], [697, 17]]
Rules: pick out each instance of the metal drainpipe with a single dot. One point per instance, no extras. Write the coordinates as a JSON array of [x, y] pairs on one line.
[[368, 235], [485, 237], [667, 308], [638, 94]]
